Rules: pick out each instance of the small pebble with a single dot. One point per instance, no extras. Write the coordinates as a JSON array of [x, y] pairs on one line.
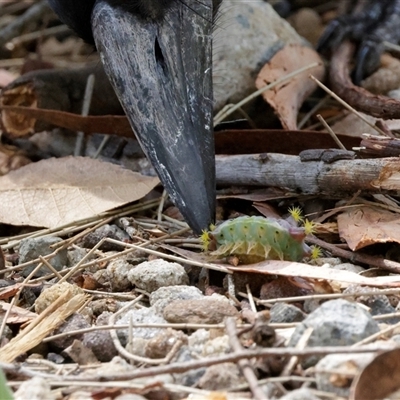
[[204, 311], [151, 275]]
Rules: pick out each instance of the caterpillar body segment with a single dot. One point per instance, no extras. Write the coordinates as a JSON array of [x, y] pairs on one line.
[[253, 239]]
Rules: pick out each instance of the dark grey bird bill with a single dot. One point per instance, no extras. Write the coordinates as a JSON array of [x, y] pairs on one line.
[[160, 68]]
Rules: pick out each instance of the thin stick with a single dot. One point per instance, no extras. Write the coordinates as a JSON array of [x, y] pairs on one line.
[[220, 117], [346, 105], [331, 132], [203, 363], [87, 100], [244, 365]]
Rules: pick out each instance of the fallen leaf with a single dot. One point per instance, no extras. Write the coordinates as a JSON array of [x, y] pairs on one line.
[[56, 192], [287, 97], [295, 269], [363, 226], [379, 379], [17, 315]]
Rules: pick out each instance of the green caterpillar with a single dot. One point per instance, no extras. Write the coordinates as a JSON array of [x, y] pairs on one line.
[[253, 239]]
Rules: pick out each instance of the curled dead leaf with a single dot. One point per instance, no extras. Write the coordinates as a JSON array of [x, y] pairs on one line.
[[287, 98], [379, 379]]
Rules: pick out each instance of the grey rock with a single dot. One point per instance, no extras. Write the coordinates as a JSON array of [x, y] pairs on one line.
[[190, 378], [396, 339], [151, 275], [105, 231], [216, 346], [332, 261], [118, 270], [204, 311], [74, 322], [347, 267], [380, 305], [281, 313], [55, 358], [32, 248], [163, 296], [76, 254], [335, 323], [377, 303], [345, 363], [139, 316], [100, 342], [246, 36], [219, 377], [161, 345], [37, 387]]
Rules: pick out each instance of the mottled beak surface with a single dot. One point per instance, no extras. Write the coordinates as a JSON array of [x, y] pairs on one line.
[[161, 71]]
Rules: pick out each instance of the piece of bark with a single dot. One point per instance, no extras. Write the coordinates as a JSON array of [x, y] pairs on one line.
[[380, 146], [338, 179], [61, 90]]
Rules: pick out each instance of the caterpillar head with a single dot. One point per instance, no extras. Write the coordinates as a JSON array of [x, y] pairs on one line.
[[208, 240]]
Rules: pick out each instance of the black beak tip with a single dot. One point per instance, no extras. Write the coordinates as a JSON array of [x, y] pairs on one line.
[[199, 219]]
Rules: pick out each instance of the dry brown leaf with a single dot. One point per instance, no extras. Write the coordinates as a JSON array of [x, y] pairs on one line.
[[295, 269], [379, 379], [55, 192], [363, 226], [18, 315], [287, 97]]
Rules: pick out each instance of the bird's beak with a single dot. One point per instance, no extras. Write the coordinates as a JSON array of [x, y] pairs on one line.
[[161, 71]]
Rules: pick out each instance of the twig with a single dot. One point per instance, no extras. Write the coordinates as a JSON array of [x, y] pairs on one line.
[[78, 225], [133, 357], [87, 100], [163, 199], [331, 132], [226, 112], [244, 364], [187, 366], [35, 14], [376, 335], [301, 344], [50, 267], [31, 36], [382, 263], [328, 296], [346, 105]]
